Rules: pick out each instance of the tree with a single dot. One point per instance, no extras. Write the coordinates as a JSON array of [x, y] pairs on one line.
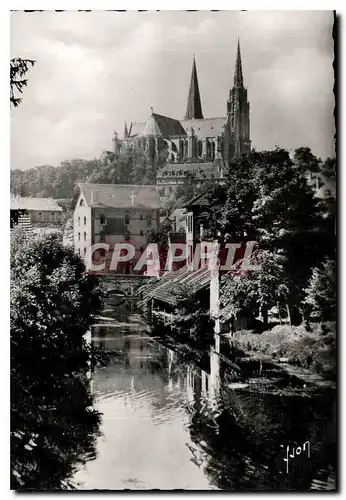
[[320, 294], [306, 160], [252, 293], [230, 205], [53, 304], [190, 319], [160, 235], [18, 69]]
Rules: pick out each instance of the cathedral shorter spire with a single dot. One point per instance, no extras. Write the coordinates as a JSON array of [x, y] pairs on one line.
[[194, 106], [126, 132], [238, 72]]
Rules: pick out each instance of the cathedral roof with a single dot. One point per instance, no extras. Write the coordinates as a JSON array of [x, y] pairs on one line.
[[208, 127], [162, 126]]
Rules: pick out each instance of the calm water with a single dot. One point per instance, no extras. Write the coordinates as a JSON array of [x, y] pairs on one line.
[[168, 424]]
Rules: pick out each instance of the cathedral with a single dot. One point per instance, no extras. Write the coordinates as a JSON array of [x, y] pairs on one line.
[[195, 138]]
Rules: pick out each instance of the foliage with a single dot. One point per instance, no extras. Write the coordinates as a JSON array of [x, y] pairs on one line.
[[131, 167], [190, 319], [266, 198], [306, 160], [320, 298], [244, 294], [18, 69], [53, 304], [308, 349]]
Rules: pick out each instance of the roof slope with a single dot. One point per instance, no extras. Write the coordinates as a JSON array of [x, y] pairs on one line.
[[41, 204], [208, 127], [165, 288], [162, 126], [120, 195]]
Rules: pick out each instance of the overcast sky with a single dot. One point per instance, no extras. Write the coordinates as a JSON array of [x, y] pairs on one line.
[[95, 70]]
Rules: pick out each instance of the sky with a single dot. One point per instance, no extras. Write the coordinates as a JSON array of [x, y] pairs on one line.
[[95, 70]]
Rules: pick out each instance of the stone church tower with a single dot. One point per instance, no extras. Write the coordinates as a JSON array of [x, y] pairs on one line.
[[237, 128]]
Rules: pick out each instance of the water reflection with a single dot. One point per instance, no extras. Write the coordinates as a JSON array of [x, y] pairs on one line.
[[169, 424]]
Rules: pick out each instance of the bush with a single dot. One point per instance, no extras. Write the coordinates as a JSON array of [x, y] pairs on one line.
[[53, 304]]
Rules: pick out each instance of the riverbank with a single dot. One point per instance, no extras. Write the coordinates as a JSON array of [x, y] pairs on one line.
[[313, 352]]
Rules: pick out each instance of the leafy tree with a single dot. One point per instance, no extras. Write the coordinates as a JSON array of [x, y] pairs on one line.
[[328, 169], [230, 205], [320, 294], [53, 304], [18, 69], [306, 160], [190, 319], [252, 293]]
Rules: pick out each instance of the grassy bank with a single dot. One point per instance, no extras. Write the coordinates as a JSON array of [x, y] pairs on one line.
[[313, 350]]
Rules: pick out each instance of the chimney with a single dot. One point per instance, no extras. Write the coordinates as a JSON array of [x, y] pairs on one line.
[[133, 194]]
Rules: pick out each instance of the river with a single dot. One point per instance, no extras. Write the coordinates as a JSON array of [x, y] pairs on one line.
[[172, 424]]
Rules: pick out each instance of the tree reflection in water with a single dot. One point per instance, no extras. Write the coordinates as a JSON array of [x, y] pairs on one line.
[[238, 434]]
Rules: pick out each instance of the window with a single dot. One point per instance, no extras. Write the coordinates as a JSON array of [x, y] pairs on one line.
[[84, 250], [40, 215], [102, 237], [127, 219], [84, 220], [84, 236], [102, 219], [141, 232], [78, 221], [78, 236], [81, 203]]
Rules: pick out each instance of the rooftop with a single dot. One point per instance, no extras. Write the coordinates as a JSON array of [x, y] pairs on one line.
[[162, 126], [121, 195], [165, 126], [164, 288], [40, 204]]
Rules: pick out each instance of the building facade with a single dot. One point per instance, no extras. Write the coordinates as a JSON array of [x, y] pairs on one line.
[[195, 137], [113, 214]]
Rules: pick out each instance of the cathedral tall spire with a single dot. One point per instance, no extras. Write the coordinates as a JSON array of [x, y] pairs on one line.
[[194, 106], [238, 72], [237, 129]]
